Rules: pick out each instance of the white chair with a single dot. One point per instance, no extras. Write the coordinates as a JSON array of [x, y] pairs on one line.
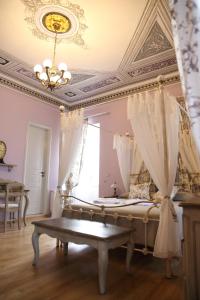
[[11, 202]]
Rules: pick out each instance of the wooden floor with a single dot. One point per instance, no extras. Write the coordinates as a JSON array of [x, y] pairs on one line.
[[75, 277]]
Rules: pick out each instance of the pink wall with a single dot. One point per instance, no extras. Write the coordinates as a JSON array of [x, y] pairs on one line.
[[16, 111], [116, 122]]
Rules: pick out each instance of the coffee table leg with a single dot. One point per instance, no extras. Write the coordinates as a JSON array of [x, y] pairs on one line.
[[65, 248], [102, 266], [130, 248], [35, 243]]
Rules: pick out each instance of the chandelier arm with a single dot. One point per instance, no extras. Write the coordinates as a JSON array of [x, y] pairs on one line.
[[47, 72], [37, 75]]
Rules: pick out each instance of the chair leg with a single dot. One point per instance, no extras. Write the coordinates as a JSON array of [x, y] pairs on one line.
[[10, 214], [5, 222], [19, 213], [19, 219]]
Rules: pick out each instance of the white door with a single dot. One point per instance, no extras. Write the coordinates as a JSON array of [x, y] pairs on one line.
[[37, 155]]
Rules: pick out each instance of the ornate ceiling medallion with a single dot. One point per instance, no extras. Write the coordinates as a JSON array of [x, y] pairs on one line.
[[40, 15], [61, 22]]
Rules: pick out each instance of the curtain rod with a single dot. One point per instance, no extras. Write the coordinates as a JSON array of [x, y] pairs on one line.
[[98, 115], [109, 131]]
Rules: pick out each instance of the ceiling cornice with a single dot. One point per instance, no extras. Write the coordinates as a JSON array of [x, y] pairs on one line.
[[136, 89], [108, 97], [8, 82]]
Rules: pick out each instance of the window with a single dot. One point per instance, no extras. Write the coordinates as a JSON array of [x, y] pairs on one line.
[[88, 187]]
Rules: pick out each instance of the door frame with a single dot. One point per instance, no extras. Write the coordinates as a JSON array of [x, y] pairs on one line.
[[48, 154]]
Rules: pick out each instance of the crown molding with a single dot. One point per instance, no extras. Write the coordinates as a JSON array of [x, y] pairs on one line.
[[13, 84], [167, 80], [108, 97]]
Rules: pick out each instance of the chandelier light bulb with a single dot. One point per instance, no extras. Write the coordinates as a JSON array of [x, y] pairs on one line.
[[55, 78], [43, 76], [62, 67], [37, 68], [47, 63], [67, 75]]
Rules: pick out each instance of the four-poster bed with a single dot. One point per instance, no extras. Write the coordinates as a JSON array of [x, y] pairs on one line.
[[157, 223]]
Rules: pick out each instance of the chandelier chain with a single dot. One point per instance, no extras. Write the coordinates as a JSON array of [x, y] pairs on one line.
[[54, 50]]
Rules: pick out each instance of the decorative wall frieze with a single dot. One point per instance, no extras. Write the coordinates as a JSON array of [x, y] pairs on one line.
[[153, 67], [95, 101], [126, 92], [28, 91], [100, 84]]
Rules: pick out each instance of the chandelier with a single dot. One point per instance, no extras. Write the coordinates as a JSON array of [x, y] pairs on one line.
[[50, 75]]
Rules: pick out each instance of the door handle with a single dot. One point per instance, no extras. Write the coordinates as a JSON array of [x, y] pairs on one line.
[[42, 173]]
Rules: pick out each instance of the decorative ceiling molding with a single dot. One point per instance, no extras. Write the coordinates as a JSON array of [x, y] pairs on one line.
[[79, 77], [28, 91], [3, 61], [36, 10], [100, 84], [140, 88], [95, 101], [155, 43], [153, 67], [154, 26]]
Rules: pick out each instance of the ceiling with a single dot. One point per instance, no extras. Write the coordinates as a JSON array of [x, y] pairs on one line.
[[116, 45]]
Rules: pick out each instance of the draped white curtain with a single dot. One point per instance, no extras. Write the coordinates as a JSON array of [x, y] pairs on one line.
[[123, 146], [71, 134], [186, 31], [189, 152], [155, 122], [137, 161]]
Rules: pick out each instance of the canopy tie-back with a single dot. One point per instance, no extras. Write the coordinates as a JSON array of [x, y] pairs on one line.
[[172, 209], [171, 206]]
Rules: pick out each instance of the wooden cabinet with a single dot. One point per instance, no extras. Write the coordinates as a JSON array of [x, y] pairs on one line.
[[191, 249]]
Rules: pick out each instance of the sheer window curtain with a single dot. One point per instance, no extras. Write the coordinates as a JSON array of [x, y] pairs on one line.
[[155, 122], [88, 186], [186, 32], [129, 158], [71, 134], [124, 146]]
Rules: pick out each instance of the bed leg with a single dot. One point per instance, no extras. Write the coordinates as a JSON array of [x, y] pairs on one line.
[[168, 266], [57, 243]]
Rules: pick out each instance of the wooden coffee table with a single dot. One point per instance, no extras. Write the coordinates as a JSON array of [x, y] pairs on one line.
[[101, 236]]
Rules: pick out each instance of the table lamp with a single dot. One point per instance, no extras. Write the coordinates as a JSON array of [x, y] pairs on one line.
[[114, 186]]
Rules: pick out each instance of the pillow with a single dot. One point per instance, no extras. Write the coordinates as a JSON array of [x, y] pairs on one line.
[[140, 191]]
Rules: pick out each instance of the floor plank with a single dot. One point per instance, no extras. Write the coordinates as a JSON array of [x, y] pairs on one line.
[[75, 277]]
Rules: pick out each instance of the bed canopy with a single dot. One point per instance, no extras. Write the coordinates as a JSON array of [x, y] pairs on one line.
[[158, 144], [164, 143]]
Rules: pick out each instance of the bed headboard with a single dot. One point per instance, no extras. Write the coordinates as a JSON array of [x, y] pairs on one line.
[[186, 181]]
